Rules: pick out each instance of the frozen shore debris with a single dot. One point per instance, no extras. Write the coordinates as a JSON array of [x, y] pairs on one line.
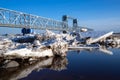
[[50, 44], [33, 46], [103, 37]]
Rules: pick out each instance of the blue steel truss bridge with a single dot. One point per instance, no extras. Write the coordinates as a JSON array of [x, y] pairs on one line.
[[16, 19]]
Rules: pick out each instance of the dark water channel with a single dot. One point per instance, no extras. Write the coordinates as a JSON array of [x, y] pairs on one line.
[[78, 65]]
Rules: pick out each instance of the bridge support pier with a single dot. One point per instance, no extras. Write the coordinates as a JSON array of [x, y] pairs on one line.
[[26, 31]]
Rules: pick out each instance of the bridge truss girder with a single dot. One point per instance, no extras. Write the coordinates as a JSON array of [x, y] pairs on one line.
[[15, 19]]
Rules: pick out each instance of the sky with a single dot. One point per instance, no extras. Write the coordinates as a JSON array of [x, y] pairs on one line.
[[95, 14]]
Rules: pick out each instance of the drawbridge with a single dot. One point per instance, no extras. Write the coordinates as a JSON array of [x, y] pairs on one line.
[[16, 19]]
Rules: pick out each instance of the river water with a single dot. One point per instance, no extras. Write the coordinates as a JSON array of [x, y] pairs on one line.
[[78, 65], [83, 65]]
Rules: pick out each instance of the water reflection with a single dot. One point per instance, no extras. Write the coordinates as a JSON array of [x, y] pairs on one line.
[[88, 66], [103, 48], [25, 67], [106, 49]]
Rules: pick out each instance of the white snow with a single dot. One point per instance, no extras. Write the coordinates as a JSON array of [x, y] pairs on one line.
[[29, 53]]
